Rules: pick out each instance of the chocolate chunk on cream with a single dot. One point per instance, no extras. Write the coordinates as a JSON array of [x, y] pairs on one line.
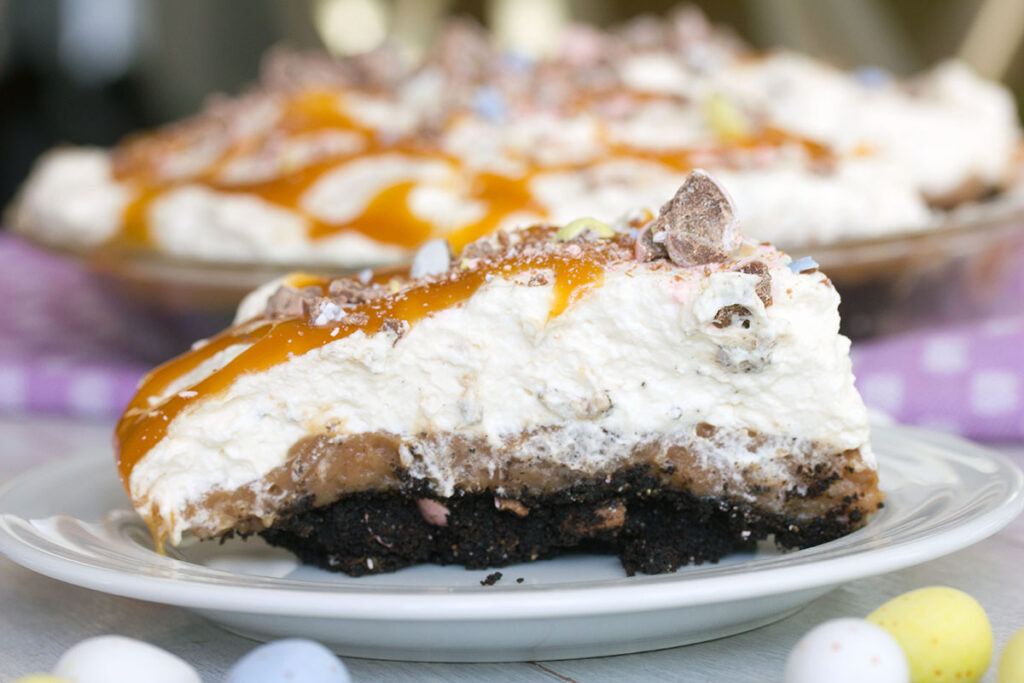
[[348, 291], [289, 302], [764, 285], [646, 249], [698, 225]]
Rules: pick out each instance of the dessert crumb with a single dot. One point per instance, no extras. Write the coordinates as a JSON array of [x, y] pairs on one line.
[[491, 579], [520, 580]]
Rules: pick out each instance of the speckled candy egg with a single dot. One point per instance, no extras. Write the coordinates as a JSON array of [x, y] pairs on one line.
[[1011, 663], [116, 659], [944, 633], [292, 661], [846, 651]]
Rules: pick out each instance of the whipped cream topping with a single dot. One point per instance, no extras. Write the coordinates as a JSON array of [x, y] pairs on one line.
[[940, 131], [72, 199]]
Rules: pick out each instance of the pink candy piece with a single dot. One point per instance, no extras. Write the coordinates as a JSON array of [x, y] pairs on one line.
[[435, 513]]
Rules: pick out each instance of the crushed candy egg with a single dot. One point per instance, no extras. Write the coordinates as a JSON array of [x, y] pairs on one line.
[[580, 225], [432, 258]]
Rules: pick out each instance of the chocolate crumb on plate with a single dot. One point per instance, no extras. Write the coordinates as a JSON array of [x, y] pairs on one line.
[[491, 579]]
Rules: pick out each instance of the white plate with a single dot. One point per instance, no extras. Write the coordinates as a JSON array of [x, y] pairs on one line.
[[71, 521]]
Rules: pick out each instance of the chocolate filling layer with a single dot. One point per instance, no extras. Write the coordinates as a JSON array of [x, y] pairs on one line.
[[805, 481]]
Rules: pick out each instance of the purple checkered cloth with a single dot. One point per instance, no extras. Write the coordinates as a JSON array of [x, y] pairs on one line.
[[67, 346]]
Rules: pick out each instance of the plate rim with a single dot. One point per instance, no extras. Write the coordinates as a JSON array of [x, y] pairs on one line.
[[464, 603]]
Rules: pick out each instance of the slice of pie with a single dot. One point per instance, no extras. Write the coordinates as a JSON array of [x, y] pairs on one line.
[[662, 389]]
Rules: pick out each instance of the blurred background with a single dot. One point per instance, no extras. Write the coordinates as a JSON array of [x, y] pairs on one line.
[[90, 71]]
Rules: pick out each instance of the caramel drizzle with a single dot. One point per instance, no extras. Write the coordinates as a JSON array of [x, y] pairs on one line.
[[275, 341], [387, 217]]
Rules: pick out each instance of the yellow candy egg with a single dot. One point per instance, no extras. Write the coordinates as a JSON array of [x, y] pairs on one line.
[[944, 633], [1011, 664], [42, 678]]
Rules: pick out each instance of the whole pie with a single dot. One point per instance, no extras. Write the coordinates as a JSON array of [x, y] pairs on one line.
[[359, 161]]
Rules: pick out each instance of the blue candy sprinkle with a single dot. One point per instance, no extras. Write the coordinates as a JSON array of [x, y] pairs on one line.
[[800, 265], [294, 660], [517, 62], [489, 103], [872, 76]]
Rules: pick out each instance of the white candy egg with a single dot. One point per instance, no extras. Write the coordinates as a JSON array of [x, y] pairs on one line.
[[116, 659], [847, 651]]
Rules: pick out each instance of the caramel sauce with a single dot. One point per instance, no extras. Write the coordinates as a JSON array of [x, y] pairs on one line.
[[572, 281], [776, 137], [503, 196], [142, 426], [135, 230], [306, 113], [387, 217], [286, 190], [685, 160]]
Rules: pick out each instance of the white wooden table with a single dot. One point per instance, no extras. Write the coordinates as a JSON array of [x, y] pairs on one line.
[[40, 617]]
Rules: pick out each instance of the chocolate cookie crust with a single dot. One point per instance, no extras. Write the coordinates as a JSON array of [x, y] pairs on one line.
[[650, 528]]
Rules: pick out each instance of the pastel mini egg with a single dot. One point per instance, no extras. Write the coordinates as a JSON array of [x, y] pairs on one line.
[[42, 678], [116, 659], [944, 633], [846, 651], [1011, 663], [293, 660]]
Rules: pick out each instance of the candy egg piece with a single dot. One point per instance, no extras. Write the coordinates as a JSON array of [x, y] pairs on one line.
[[116, 659], [42, 678], [1011, 663], [846, 651], [294, 660], [944, 633]]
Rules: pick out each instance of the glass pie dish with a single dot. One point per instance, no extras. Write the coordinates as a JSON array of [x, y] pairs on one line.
[[965, 267]]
